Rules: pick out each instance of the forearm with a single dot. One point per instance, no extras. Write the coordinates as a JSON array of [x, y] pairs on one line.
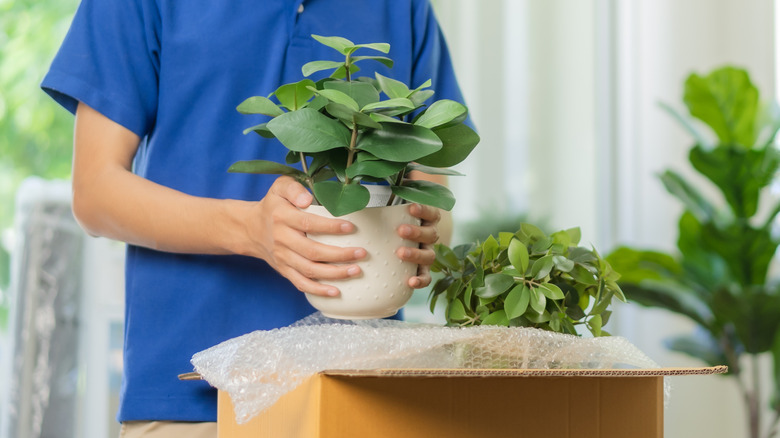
[[117, 204]]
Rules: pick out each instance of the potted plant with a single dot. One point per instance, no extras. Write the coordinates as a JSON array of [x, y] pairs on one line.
[[719, 277], [528, 279], [352, 136]]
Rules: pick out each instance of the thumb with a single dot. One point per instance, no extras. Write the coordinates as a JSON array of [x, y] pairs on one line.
[[293, 191]]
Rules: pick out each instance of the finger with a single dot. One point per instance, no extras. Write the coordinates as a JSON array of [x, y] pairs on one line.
[[291, 190], [314, 224], [421, 234], [425, 212], [421, 256], [309, 286], [321, 271], [320, 252], [423, 278]]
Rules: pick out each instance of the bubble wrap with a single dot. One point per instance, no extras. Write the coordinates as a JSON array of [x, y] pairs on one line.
[[258, 368]]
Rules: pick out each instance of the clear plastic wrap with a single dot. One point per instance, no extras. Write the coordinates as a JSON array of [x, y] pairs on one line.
[[258, 368]]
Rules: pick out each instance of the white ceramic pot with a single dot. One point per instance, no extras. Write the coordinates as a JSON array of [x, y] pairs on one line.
[[381, 289]]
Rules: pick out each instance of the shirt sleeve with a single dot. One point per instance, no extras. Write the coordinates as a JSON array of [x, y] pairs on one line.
[[110, 61], [432, 57]]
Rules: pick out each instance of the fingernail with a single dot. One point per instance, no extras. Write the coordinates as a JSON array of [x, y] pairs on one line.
[[360, 253], [353, 270], [345, 227], [407, 252], [415, 281], [405, 230], [332, 292]]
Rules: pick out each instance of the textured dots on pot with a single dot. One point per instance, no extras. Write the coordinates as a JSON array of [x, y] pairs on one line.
[[376, 297], [385, 286]]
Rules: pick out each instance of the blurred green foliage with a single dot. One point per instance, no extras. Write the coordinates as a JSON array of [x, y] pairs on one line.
[[35, 133], [719, 278]]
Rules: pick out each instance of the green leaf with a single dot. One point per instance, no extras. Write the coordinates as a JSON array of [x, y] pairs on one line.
[[343, 45], [261, 129], [496, 318], [495, 285], [397, 142], [562, 263], [447, 257], [575, 235], [551, 291], [307, 130], [456, 311], [379, 47], [518, 255], [517, 301], [314, 66], [340, 199], [265, 167], [350, 117], [688, 195], [538, 301], [426, 193], [490, 248], [594, 324], [440, 113], [420, 97], [433, 170], [375, 169], [457, 143], [727, 101], [383, 59], [393, 88], [294, 96], [259, 105], [399, 102], [378, 117], [542, 267], [739, 173], [338, 97], [362, 93]]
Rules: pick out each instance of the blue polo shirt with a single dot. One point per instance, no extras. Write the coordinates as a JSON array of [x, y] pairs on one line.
[[173, 72]]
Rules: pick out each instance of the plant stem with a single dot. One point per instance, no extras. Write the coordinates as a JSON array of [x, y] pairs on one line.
[[398, 181], [751, 397], [351, 153], [347, 63], [303, 163]]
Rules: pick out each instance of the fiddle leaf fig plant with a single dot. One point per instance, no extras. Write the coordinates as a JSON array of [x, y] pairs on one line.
[[526, 279], [719, 278], [344, 131]]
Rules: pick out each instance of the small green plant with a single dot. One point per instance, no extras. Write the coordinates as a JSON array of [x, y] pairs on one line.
[[526, 279], [343, 133], [719, 277]]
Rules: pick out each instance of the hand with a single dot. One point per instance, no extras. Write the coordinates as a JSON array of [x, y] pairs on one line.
[[426, 234], [278, 231]]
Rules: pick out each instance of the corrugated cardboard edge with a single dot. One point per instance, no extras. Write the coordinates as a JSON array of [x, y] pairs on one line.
[[465, 372], [607, 372]]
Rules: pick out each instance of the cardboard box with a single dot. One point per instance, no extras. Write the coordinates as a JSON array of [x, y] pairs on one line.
[[465, 403]]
